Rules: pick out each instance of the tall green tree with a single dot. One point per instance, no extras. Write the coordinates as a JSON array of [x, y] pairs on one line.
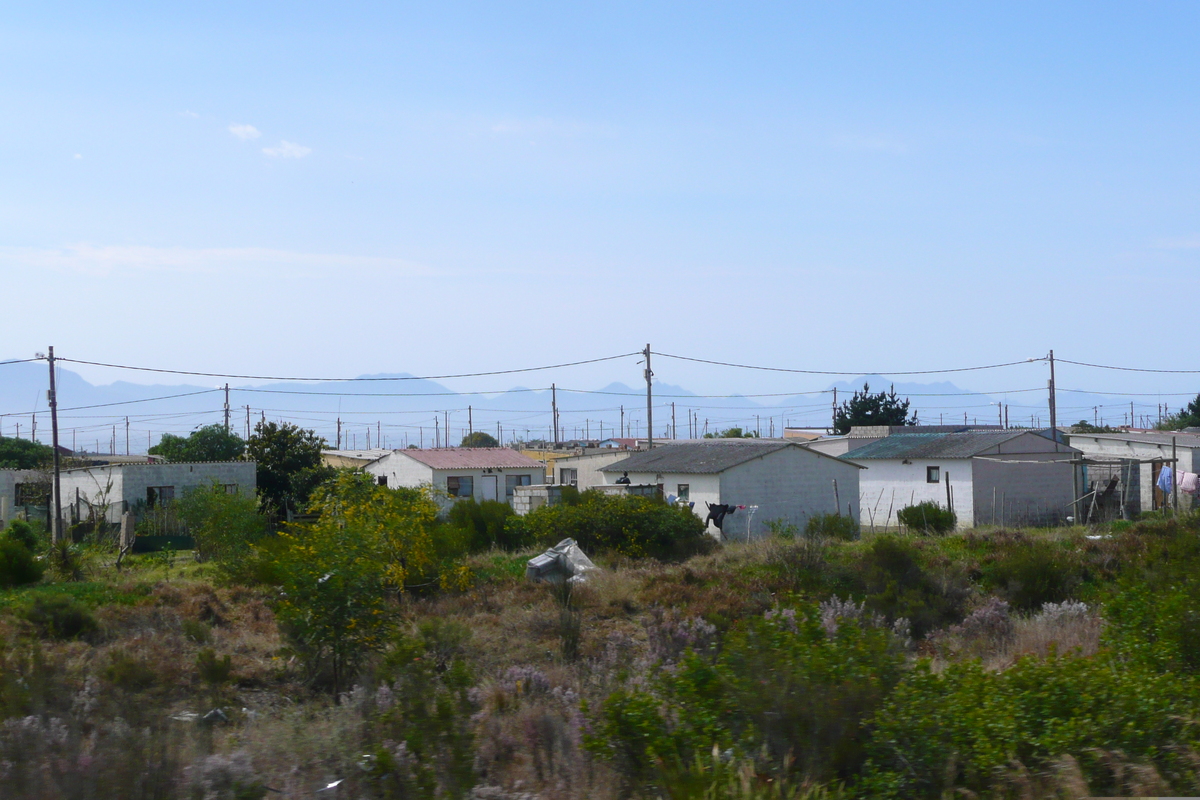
[[23, 453], [209, 443], [1187, 417], [732, 433], [479, 439], [289, 464], [865, 408]]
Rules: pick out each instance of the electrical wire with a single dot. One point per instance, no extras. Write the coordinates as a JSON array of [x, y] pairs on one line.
[[20, 361], [859, 372], [348, 380], [1130, 369]]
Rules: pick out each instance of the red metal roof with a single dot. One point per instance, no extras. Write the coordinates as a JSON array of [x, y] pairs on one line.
[[473, 458]]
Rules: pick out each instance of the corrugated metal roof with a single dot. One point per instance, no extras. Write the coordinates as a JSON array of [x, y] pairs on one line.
[[932, 445], [711, 457], [1183, 439], [473, 458], [364, 455]]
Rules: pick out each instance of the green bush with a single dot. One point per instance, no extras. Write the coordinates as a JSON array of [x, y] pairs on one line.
[[626, 525], [224, 526], [1156, 625], [895, 584], [1032, 574], [785, 688], [21, 531], [18, 565], [955, 732], [927, 517], [832, 526], [57, 616], [485, 524]]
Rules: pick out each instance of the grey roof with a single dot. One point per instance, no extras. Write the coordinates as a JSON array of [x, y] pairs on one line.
[[714, 456], [1183, 438], [933, 445]]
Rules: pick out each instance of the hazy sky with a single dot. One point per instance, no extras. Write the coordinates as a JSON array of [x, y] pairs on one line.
[[338, 189]]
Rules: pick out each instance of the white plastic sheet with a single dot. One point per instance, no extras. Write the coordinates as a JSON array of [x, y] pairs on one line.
[[564, 561]]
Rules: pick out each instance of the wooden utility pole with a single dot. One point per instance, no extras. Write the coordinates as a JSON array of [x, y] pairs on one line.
[[1053, 404], [447, 415], [127, 436], [227, 409], [470, 421], [834, 423], [56, 523], [622, 422], [649, 402], [554, 411], [674, 430], [339, 424], [248, 422]]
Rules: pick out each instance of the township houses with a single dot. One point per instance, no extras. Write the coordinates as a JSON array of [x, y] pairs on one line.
[[1123, 469], [994, 477], [112, 489], [583, 471], [772, 479], [484, 473]]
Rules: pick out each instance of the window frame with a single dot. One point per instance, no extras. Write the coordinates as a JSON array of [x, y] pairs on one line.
[[683, 491], [459, 482], [933, 474], [510, 485]]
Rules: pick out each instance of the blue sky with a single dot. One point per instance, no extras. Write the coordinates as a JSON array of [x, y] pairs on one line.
[[316, 189]]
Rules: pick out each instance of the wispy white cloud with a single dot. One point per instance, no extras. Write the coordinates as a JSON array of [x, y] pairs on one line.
[[191, 114], [877, 144], [1178, 243], [244, 131], [78, 155], [107, 260], [288, 149]]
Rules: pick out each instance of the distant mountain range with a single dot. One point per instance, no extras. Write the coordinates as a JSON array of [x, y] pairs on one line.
[[401, 409]]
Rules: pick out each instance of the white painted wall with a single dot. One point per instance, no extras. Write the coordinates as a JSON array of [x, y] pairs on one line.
[[790, 485], [1031, 489], [1098, 447], [589, 466], [129, 482], [401, 470], [9, 478], [889, 483]]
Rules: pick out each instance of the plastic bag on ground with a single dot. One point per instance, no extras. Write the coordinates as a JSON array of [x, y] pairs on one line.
[[564, 561]]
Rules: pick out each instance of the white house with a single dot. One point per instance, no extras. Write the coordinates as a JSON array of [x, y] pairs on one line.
[[20, 488], [583, 471], [484, 473], [991, 477], [774, 479], [113, 489], [1135, 459]]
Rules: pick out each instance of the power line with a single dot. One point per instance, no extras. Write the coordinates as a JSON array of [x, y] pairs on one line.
[[859, 372], [348, 380], [1131, 369], [23, 361], [118, 403]]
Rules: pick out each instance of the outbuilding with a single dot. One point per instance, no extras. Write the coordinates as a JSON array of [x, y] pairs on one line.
[[484, 473], [1000, 477], [767, 480]]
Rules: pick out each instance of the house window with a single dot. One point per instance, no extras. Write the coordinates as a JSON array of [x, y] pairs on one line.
[[511, 482], [568, 477], [933, 474], [381, 480], [159, 495], [231, 488], [460, 486], [683, 490], [29, 494]]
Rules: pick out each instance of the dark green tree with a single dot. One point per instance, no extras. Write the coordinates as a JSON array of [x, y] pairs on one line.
[[479, 439], [23, 454], [864, 408], [1187, 417], [209, 443], [289, 464], [731, 433]]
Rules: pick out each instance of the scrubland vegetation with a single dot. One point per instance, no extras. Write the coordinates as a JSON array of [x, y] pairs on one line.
[[400, 653]]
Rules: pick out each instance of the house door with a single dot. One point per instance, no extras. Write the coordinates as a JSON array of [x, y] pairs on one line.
[[488, 487]]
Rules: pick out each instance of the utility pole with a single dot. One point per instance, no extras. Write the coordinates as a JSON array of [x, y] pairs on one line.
[[622, 422], [834, 428], [649, 402], [1053, 408], [757, 427], [378, 434], [470, 421], [674, 430], [437, 433], [247, 422], [56, 524], [554, 411], [339, 424], [227, 409], [499, 434], [127, 436], [447, 414]]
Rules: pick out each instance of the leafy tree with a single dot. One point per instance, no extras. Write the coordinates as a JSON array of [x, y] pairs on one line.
[[224, 525], [731, 433], [1083, 426], [209, 443], [23, 453], [336, 574], [1187, 417], [479, 439], [864, 408], [289, 464]]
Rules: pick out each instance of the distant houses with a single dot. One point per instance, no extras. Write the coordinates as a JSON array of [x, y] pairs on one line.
[[482, 473]]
